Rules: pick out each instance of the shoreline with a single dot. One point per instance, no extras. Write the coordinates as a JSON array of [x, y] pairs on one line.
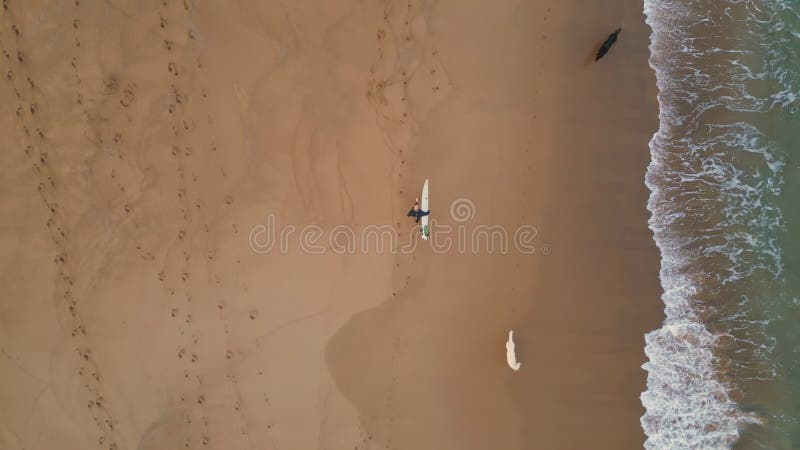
[[619, 296], [714, 331]]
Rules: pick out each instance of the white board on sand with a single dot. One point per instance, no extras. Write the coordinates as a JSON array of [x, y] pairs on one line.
[[424, 207], [511, 356]]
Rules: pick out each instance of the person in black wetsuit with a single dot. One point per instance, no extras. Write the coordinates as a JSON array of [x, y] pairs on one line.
[[416, 212]]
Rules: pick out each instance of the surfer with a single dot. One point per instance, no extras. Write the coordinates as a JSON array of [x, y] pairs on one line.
[[416, 212]]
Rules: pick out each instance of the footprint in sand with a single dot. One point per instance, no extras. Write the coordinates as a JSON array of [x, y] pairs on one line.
[[110, 85], [128, 95], [180, 97], [84, 354]]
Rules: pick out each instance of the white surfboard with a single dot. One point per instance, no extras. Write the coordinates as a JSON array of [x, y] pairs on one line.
[[423, 206]]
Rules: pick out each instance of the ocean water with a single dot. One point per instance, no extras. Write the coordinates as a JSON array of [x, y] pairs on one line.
[[724, 369]]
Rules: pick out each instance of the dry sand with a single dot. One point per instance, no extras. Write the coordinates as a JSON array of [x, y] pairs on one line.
[[145, 140]]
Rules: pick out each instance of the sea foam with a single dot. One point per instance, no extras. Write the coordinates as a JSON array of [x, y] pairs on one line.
[[700, 199]]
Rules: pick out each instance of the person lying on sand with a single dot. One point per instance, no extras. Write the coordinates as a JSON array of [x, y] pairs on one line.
[[416, 212]]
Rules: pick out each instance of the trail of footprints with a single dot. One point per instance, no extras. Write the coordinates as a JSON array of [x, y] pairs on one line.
[[182, 128], [402, 59], [18, 77], [182, 64], [37, 148]]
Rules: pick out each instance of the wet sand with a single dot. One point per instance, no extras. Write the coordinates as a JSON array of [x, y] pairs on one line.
[[549, 140], [146, 142]]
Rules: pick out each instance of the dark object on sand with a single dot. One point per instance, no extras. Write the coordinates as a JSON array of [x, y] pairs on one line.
[[612, 38]]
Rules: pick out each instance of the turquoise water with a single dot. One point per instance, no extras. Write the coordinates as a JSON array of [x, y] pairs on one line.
[[724, 369]]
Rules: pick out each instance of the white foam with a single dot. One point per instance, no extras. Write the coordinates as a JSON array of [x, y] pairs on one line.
[[687, 405]]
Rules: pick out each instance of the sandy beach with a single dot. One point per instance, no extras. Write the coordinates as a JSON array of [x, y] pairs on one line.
[[151, 148]]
